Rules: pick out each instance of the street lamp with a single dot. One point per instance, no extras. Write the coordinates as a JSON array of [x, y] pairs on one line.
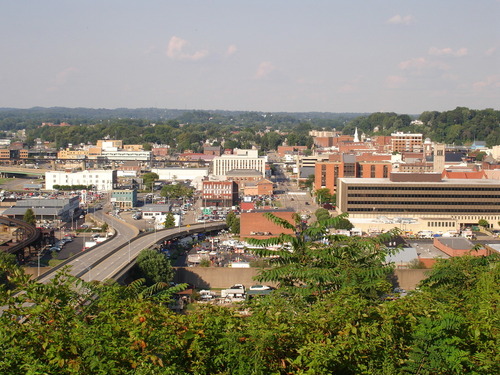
[[39, 255]]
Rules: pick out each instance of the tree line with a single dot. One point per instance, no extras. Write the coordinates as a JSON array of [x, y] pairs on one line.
[[187, 130]]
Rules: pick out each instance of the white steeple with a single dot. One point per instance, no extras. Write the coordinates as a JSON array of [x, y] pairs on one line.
[[356, 139]]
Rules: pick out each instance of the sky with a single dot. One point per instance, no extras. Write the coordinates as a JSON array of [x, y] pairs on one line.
[[403, 56]]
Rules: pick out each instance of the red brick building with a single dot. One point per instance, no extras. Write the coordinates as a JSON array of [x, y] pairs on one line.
[[262, 187], [352, 166], [458, 246], [283, 150], [255, 225], [219, 193], [212, 150]]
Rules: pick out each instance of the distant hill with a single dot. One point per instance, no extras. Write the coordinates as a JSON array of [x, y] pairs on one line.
[[154, 114]]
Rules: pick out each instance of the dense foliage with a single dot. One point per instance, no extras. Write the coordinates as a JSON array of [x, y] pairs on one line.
[[187, 130], [451, 326], [459, 126], [154, 267], [29, 217]]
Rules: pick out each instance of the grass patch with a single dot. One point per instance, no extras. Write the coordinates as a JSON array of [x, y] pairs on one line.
[[4, 180]]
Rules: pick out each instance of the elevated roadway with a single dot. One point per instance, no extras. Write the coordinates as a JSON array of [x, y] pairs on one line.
[[110, 259]]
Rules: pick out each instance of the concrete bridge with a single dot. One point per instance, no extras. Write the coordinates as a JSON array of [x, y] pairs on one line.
[[112, 259]]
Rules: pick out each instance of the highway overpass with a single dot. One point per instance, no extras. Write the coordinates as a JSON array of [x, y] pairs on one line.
[[113, 258]]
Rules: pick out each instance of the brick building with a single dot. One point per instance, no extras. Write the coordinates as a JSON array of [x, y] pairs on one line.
[[406, 142], [293, 150], [212, 150], [256, 225], [458, 246], [352, 166], [219, 193], [261, 187]]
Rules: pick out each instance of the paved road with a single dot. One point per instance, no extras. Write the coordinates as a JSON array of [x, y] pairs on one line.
[[83, 265]]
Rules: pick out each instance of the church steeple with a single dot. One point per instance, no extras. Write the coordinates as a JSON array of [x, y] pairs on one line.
[[356, 138]]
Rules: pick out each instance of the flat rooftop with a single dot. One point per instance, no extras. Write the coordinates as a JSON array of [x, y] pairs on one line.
[[386, 181]]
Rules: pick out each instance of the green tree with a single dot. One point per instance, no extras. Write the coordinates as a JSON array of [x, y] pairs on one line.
[[7, 263], [318, 262], [169, 220], [324, 195], [149, 180], [104, 227], [322, 214], [483, 223], [154, 267], [343, 223], [309, 182], [233, 222], [176, 191], [205, 262], [29, 217]]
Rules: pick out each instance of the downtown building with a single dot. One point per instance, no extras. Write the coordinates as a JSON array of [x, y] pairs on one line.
[[433, 202], [241, 159], [100, 180]]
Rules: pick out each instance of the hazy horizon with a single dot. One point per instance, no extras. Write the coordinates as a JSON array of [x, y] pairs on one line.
[[266, 56]]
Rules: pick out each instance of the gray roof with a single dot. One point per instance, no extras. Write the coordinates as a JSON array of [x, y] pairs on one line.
[[349, 158], [457, 243], [405, 255], [156, 208], [305, 172], [42, 203], [46, 211], [243, 172]]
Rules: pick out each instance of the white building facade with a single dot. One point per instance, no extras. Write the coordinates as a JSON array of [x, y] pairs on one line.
[[102, 180], [242, 159]]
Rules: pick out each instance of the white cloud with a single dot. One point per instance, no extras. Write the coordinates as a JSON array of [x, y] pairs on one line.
[[62, 78], [415, 63], [491, 82], [394, 82], [490, 51], [265, 68], [351, 86], [175, 50], [421, 63], [231, 50], [433, 51], [400, 20]]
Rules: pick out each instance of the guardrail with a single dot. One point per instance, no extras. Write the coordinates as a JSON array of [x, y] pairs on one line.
[[72, 258], [186, 230]]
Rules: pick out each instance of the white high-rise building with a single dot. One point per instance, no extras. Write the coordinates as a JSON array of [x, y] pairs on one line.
[[242, 159]]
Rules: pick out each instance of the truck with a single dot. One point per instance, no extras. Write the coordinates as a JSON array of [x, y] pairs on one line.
[[235, 291], [425, 234]]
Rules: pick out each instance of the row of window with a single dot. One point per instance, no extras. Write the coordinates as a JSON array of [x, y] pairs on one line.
[[475, 218], [426, 203], [423, 188], [418, 196], [422, 210], [446, 224]]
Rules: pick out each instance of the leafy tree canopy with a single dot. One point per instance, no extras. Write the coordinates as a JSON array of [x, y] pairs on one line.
[[29, 217]]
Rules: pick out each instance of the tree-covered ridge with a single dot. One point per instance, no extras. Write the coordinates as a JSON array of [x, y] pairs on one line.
[[459, 126], [187, 130]]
